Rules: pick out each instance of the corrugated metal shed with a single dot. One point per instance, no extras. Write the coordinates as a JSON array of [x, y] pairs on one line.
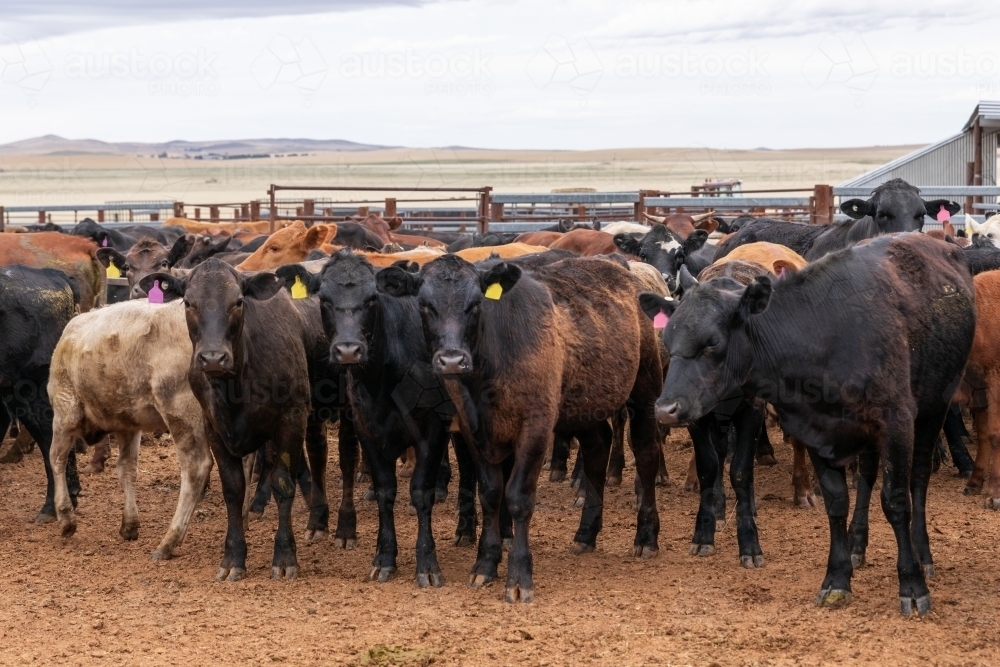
[[946, 162]]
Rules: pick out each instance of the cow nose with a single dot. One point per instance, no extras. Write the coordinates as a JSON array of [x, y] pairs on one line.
[[668, 413], [214, 362], [452, 362], [348, 353], [138, 292]]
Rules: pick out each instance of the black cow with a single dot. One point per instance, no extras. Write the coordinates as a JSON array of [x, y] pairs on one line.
[[357, 236], [666, 250], [35, 306], [894, 206], [250, 374], [397, 401], [516, 376], [121, 240], [201, 247], [860, 354], [481, 241]]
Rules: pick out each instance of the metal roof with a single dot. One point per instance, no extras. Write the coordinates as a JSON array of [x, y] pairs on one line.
[[988, 112]]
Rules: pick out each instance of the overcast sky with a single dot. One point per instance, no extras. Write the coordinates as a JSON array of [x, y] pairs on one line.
[[499, 74]]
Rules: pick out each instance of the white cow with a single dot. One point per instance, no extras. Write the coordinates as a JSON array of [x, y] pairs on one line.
[[989, 229]]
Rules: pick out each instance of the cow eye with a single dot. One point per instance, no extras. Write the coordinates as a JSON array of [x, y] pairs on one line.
[[642, 256], [239, 302], [165, 264]]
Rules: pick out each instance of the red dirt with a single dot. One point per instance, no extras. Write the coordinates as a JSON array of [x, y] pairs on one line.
[[94, 599]]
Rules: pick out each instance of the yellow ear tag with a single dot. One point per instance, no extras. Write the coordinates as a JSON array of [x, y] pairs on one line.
[[113, 271], [299, 290], [493, 292]]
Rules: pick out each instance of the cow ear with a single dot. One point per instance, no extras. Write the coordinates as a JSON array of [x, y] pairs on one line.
[[596, 226], [261, 286], [934, 206], [172, 286], [395, 222], [563, 226], [627, 244], [694, 242], [686, 280], [407, 265], [221, 246], [503, 274], [755, 297], [782, 267], [709, 225], [290, 272], [653, 305], [180, 249], [396, 281], [314, 237], [109, 256], [856, 208]]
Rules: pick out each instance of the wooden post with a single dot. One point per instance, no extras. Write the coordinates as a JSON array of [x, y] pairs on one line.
[[254, 211], [273, 208], [308, 208], [41, 217], [821, 211], [236, 214], [131, 215], [100, 215], [363, 211], [178, 209], [197, 214], [496, 212], [970, 177], [390, 207], [581, 211], [977, 159], [245, 211], [154, 217], [485, 198], [299, 211], [213, 213], [3, 224]]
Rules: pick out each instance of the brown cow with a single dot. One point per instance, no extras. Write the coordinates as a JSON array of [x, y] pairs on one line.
[[216, 228], [775, 258], [287, 246], [683, 224], [507, 251], [385, 229], [73, 255], [587, 242], [539, 238], [145, 257]]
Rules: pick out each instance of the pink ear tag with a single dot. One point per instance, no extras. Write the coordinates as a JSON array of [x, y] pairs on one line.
[[155, 293], [104, 242], [943, 215], [660, 321]]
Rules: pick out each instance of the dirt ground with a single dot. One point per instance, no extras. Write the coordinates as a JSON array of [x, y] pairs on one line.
[[94, 599]]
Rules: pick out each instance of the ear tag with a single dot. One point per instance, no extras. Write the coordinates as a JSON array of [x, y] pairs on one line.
[[113, 271], [299, 290], [660, 321], [104, 242], [155, 293], [943, 215], [493, 292]]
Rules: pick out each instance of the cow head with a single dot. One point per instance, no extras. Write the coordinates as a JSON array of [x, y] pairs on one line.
[[710, 353], [215, 299], [93, 231], [451, 294], [287, 246], [145, 257], [896, 206], [989, 230], [200, 247], [664, 249]]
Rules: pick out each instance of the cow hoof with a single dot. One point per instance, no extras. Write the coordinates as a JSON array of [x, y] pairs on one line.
[[921, 605], [833, 598], [163, 553], [93, 469], [751, 562], [257, 516], [928, 571], [480, 580], [516, 593], [857, 560], [691, 487], [575, 483], [645, 552], [965, 474], [579, 548], [129, 533], [805, 500], [972, 490], [463, 541], [992, 503], [286, 572], [440, 495], [381, 574], [411, 510], [68, 527], [342, 543], [230, 574], [661, 480], [579, 502], [557, 475], [370, 493], [613, 481], [766, 460], [507, 544], [45, 517], [426, 580], [702, 550], [316, 535], [720, 525]]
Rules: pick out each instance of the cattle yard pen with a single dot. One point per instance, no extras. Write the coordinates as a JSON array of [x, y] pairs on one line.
[[483, 210]]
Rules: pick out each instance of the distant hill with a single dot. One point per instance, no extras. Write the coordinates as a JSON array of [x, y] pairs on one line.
[[52, 144]]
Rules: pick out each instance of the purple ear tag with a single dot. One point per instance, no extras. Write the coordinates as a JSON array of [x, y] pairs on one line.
[[660, 321], [104, 242], [944, 214], [155, 293]]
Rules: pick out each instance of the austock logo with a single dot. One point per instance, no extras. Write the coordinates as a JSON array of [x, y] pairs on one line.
[[24, 65]]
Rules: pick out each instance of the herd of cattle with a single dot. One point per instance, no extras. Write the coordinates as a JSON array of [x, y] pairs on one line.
[[861, 336]]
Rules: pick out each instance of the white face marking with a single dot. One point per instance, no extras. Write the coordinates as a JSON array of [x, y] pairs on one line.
[[672, 244]]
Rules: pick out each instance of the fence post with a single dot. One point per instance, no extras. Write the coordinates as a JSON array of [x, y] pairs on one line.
[[273, 208], [3, 224], [154, 217], [363, 211], [390, 207], [309, 209], [970, 175], [483, 222], [197, 214], [245, 211], [100, 215], [178, 209], [821, 213], [41, 217], [581, 211], [213, 213], [254, 211], [496, 212], [236, 214]]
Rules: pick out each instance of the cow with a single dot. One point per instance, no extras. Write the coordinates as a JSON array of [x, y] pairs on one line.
[[481, 240], [74, 256], [201, 246], [684, 225], [397, 402], [538, 238], [523, 356], [217, 228], [894, 206], [357, 236], [586, 242], [385, 229], [35, 306], [988, 229], [287, 246], [123, 370], [119, 239], [145, 257], [249, 372], [663, 248], [859, 353]]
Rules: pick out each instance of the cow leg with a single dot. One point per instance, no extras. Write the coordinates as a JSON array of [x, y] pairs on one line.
[[491, 484], [836, 588], [100, 455], [317, 451], [506, 522], [867, 473], [691, 480], [802, 485], [953, 430], [642, 432], [662, 476], [765, 450], [263, 493], [708, 463], [422, 492], [925, 437], [195, 463], [992, 433], [409, 459], [560, 456], [576, 478], [346, 536], [748, 422], [443, 478], [286, 464], [128, 470], [595, 445], [465, 531], [521, 503], [384, 478], [35, 417], [61, 454], [974, 484], [616, 461], [234, 482]]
